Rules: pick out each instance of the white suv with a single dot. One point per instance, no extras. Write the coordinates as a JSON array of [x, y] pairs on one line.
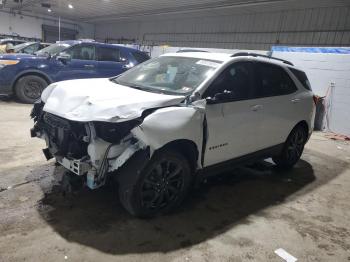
[[173, 119]]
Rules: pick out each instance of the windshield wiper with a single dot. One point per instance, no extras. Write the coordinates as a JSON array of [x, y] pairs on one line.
[[142, 88], [128, 84], [135, 86]]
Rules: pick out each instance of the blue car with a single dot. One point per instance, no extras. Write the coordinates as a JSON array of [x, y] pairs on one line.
[[26, 76]]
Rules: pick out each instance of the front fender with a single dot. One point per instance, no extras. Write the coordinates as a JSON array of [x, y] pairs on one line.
[[32, 71], [170, 124]]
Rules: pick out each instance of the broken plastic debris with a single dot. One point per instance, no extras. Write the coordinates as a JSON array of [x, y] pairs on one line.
[[285, 255], [334, 136], [339, 147]]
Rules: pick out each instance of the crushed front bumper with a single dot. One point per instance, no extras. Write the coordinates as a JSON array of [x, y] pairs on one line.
[[76, 166], [77, 147]]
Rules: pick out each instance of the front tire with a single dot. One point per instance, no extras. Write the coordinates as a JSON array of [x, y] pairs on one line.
[[28, 88], [292, 149], [159, 188]]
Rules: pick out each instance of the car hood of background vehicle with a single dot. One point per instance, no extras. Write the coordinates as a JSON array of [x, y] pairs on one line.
[[16, 56], [100, 99]]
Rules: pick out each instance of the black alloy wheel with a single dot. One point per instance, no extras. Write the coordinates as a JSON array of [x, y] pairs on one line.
[[162, 185], [28, 88], [159, 187], [292, 149]]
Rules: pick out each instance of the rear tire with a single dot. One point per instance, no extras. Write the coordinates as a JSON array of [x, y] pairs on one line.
[[28, 88], [159, 188], [292, 149]]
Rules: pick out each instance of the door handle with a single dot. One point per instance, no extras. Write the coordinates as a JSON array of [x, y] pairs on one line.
[[128, 66], [89, 66], [295, 100], [256, 107]]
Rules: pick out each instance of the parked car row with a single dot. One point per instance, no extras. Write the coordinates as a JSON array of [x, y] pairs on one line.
[[7, 44], [30, 47], [28, 73]]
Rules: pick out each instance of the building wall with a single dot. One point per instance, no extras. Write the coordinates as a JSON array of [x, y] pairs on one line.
[[31, 25], [329, 75], [308, 27]]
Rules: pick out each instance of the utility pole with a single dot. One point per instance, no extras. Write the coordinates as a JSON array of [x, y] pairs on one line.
[[59, 28]]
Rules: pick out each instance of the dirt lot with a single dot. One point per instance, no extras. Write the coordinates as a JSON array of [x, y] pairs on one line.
[[241, 216]]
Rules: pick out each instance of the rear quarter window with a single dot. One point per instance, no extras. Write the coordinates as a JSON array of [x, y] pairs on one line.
[[301, 76]]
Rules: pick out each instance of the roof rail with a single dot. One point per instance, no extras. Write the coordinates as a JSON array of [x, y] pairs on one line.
[[258, 55], [191, 50], [86, 40]]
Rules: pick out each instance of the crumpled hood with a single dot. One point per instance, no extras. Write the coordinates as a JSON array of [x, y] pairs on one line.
[[101, 100]]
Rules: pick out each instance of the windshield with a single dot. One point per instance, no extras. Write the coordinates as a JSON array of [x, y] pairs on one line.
[[167, 74], [20, 46], [53, 49]]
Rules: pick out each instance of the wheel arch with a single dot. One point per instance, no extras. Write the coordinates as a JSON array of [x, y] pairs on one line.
[[304, 125], [27, 73], [185, 147]]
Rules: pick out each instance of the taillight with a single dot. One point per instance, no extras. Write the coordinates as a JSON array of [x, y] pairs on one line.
[[315, 98]]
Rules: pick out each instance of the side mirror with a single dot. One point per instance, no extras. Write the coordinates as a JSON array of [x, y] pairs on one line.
[[64, 57], [221, 97], [123, 60], [194, 97]]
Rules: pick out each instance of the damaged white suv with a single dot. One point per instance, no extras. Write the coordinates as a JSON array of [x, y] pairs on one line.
[[173, 119]]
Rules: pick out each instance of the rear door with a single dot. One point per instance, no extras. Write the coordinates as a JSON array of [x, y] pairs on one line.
[[109, 61], [279, 99], [81, 65]]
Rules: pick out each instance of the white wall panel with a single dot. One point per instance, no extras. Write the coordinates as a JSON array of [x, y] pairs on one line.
[[308, 27], [329, 74]]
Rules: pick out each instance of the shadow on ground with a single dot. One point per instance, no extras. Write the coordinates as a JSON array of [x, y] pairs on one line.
[[96, 219], [5, 98]]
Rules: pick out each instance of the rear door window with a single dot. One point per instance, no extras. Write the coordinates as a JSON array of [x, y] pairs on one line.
[[109, 54], [272, 80]]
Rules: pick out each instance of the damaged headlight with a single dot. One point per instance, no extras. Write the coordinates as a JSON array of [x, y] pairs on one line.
[[114, 132], [37, 110]]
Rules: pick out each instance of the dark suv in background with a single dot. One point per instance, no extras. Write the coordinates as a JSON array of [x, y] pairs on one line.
[[27, 76]]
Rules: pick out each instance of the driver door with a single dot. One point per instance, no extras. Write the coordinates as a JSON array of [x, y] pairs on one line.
[[234, 119], [81, 65]]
